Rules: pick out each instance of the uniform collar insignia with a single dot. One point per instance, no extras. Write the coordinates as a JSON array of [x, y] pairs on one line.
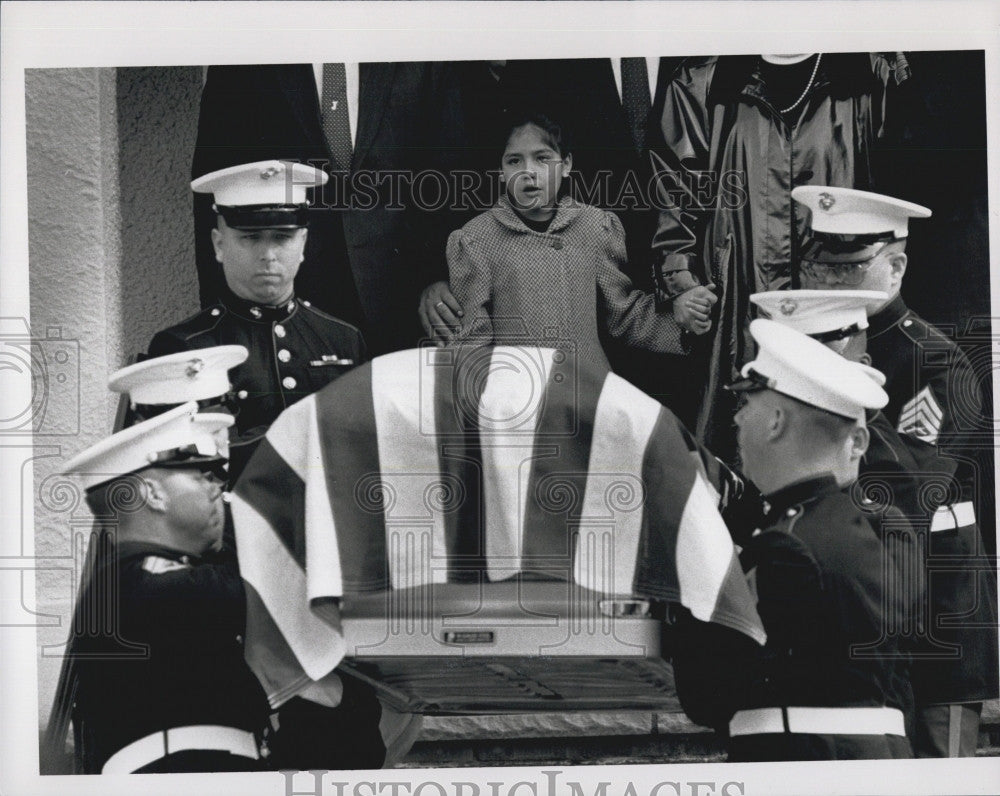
[[259, 312]]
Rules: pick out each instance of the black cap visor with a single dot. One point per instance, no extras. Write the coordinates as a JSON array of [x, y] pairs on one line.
[[752, 382], [221, 404], [844, 249], [187, 456], [836, 334], [265, 216]]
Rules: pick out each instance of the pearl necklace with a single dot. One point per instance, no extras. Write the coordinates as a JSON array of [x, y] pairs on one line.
[[805, 91]]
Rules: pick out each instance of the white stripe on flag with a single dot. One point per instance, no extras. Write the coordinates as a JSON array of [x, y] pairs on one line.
[[290, 434], [700, 466], [267, 565], [410, 468], [704, 551], [508, 417], [295, 437], [320, 527], [611, 520]]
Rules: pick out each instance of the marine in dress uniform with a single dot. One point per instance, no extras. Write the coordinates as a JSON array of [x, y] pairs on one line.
[[164, 687], [858, 241], [839, 320], [156, 385], [891, 474], [148, 389], [816, 566], [294, 348]]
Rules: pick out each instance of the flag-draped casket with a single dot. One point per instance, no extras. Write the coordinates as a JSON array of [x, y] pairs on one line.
[[432, 468]]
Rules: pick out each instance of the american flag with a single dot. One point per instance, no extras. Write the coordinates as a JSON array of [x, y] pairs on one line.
[[441, 465]]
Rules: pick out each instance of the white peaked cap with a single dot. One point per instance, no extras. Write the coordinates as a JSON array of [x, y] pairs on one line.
[[819, 311], [795, 365], [266, 182], [846, 211], [877, 375], [177, 378], [179, 437]]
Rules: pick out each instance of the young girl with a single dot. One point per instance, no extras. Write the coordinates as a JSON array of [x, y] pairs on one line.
[[542, 270]]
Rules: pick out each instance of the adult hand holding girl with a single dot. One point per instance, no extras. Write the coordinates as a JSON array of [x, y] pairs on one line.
[[693, 308]]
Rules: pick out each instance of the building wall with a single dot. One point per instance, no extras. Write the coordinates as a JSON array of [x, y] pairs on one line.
[[157, 126], [111, 260]]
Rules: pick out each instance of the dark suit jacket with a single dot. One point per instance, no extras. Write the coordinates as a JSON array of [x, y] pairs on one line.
[[366, 260]]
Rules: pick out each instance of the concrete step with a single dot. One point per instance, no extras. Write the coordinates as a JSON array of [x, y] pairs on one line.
[[591, 739]]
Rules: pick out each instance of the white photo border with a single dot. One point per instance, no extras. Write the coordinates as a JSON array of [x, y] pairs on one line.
[[57, 34]]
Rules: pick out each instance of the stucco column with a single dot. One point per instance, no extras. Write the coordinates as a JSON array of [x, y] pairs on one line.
[[111, 260]]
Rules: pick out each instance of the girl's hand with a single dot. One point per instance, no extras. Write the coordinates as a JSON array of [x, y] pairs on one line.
[[693, 308], [440, 312]]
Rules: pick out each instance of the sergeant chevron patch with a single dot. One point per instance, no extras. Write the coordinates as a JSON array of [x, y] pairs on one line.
[[921, 417]]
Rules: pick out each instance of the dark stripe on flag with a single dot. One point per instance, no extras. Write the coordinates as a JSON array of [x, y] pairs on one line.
[[345, 415], [275, 491], [560, 457], [459, 380], [668, 473], [712, 466]]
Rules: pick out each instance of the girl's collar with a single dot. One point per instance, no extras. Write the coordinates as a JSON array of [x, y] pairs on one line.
[[566, 212]]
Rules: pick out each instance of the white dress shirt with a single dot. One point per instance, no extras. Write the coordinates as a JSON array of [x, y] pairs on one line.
[[652, 68]]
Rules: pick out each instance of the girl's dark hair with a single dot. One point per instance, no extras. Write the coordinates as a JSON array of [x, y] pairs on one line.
[[555, 135]]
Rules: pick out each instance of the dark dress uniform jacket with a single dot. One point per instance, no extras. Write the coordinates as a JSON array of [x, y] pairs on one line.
[[287, 347], [936, 408], [174, 657], [295, 350], [372, 245], [817, 568]]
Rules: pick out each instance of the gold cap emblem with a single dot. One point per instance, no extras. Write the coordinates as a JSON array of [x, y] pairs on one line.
[[788, 306], [194, 367], [269, 172], [826, 201]]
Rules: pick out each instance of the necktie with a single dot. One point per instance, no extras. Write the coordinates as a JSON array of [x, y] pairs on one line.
[[336, 122], [636, 98]]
